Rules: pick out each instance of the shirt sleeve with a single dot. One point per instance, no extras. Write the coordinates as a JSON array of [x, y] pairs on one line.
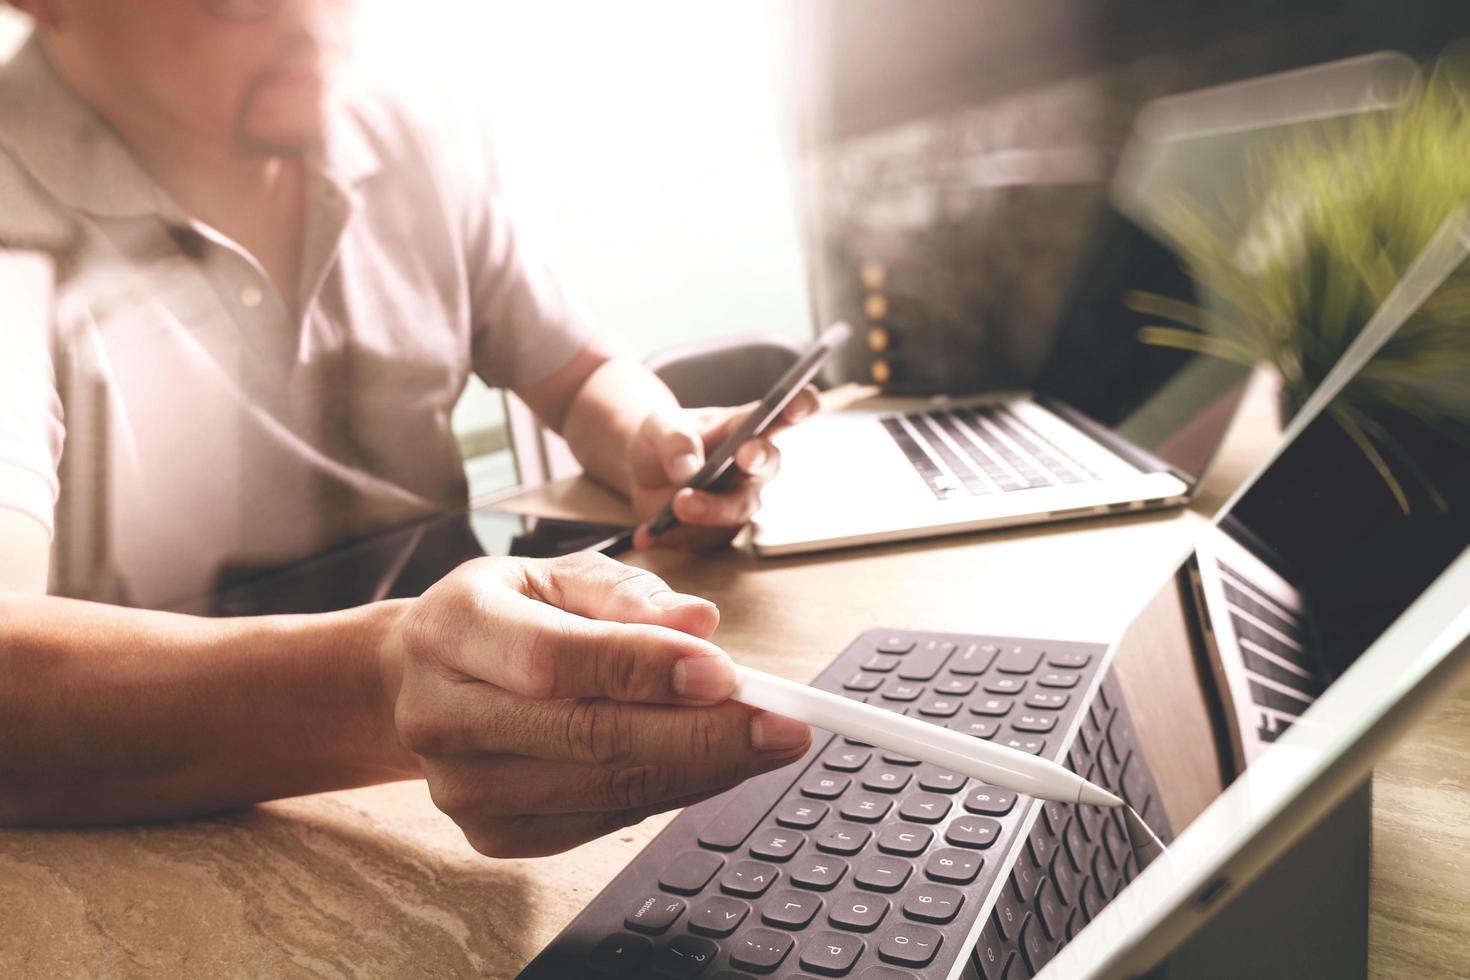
[[525, 324], [31, 429]]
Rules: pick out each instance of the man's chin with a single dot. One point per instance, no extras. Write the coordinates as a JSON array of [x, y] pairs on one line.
[[284, 126]]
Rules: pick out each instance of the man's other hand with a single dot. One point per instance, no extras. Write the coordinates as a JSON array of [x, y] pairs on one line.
[[551, 702], [671, 446]]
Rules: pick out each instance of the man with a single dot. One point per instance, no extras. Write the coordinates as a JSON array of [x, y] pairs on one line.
[[268, 296]]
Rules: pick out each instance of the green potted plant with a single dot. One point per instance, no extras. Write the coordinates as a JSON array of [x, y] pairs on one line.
[[1337, 216]]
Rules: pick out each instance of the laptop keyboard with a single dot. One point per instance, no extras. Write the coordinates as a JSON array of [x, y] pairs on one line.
[[1276, 652], [980, 450], [859, 862]]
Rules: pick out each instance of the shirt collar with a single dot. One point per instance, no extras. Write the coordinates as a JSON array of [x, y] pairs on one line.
[[80, 159]]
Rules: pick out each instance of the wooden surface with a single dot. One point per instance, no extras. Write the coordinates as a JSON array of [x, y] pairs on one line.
[[375, 882]]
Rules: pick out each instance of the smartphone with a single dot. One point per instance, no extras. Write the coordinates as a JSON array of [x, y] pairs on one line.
[[716, 471]]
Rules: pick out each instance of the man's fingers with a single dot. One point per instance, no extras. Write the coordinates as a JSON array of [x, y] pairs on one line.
[[678, 449], [466, 717], [504, 624], [598, 587], [806, 403], [759, 459], [730, 509]]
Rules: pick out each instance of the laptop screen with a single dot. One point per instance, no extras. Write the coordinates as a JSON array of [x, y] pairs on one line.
[[1318, 558], [1172, 403]]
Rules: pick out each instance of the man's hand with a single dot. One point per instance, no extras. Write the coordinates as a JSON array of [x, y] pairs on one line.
[[552, 702], [670, 447]]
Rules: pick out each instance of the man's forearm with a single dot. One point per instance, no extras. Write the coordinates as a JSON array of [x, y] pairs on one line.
[[111, 714], [606, 414]]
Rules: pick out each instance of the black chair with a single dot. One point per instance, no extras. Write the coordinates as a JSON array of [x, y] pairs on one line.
[[727, 371]]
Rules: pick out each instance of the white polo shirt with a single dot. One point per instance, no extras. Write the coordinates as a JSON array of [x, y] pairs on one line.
[[173, 423]]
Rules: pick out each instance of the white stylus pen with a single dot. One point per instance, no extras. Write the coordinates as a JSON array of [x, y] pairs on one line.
[[998, 765]]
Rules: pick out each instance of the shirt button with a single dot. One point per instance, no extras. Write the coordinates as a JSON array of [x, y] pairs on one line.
[[251, 297]]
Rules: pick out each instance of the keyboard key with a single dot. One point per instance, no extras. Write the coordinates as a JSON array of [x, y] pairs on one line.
[[654, 914], [974, 659], [857, 911], [1009, 914], [748, 879], [886, 779], [1056, 814], [1092, 820], [620, 954], [990, 802], [761, 950], [685, 956], [1074, 924], [933, 903], [717, 916], [690, 872], [924, 808], [1034, 722], [775, 844], [1134, 782], [824, 786], [1116, 843], [1018, 660], [991, 707], [1067, 880], [955, 687], [923, 663], [909, 945], [1035, 948], [818, 872], [843, 838], [895, 644], [1104, 875], [1005, 685], [953, 865], [863, 681], [867, 807], [800, 814], [1042, 846], [880, 973], [843, 758], [1048, 700], [1057, 678], [831, 954], [902, 691], [1072, 660], [977, 727], [940, 780], [990, 953], [940, 707], [881, 663], [881, 873], [1092, 900], [904, 839], [1049, 911], [1074, 846], [972, 831], [894, 759], [1032, 745], [1026, 876], [790, 909]]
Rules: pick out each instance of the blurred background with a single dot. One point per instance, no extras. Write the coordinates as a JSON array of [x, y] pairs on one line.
[[936, 171]]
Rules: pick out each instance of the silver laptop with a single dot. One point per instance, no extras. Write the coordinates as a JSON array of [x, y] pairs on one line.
[[1112, 425], [918, 469]]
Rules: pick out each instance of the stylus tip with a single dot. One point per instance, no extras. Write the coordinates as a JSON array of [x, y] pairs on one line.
[[1094, 795]]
